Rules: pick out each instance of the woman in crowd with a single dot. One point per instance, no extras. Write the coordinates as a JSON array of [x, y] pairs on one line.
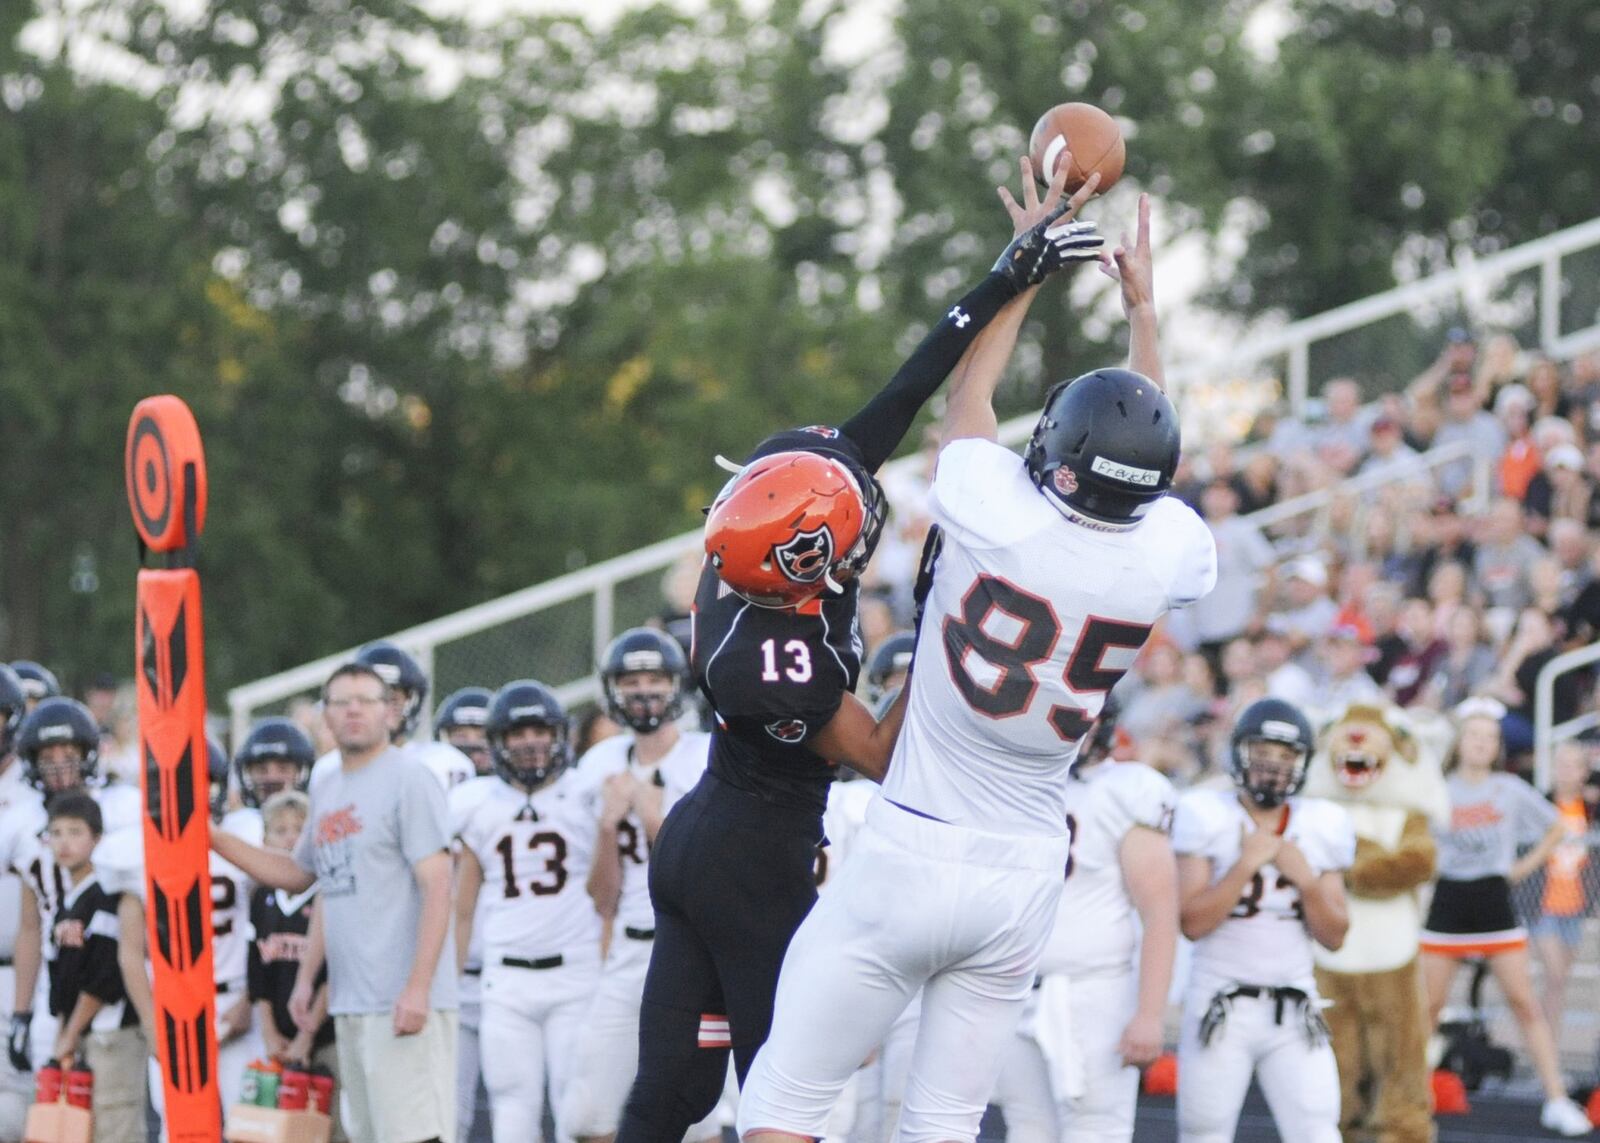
[[1467, 664], [1491, 814]]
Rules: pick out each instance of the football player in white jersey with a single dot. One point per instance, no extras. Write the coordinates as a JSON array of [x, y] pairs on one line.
[[628, 783], [275, 756], [459, 722], [527, 842], [1260, 876], [877, 1089], [1098, 1015], [16, 1086], [238, 1039], [1053, 570], [58, 746]]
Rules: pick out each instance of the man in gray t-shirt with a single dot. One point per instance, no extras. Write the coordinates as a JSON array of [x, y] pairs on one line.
[[367, 831], [377, 846]]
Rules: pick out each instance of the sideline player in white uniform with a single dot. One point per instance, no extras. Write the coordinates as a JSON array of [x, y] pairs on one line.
[[628, 783], [526, 844], [58, 745], [1098, 1016], [275, 756], [1260, 876], [238, 1038], [1053, 570], [459, 722], [16, 1085]]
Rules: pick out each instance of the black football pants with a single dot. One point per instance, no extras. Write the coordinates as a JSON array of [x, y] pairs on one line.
[[731, 878]]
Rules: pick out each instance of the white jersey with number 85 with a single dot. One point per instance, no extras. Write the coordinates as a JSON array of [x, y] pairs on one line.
[[1030, 621]]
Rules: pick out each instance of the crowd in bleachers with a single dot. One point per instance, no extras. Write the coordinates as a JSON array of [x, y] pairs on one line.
[[1425, 589]]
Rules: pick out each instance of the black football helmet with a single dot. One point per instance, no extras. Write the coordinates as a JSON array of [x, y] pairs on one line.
[[400, 672], [1105, 448], [38, 681], [528, 703], [468, 706], [217, 778], [273, 738], [892, 656], [644, 649], [1270, 720], [13, 705], [57, 720]]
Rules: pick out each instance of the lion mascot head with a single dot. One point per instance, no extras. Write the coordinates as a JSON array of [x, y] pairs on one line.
[[1381, 755]]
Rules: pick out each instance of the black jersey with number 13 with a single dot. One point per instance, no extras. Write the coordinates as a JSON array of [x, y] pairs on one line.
[[775, 677]]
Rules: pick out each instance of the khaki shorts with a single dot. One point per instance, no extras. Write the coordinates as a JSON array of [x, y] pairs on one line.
[[118, 1057], [398, 1089]]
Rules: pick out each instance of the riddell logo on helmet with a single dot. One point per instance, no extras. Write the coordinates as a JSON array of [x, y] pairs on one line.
[[1065, 480], [822, 431], [1144, 477], [806, 556]]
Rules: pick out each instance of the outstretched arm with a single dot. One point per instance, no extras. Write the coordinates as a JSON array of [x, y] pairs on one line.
[[1132, 266], [882, 423], [970, 409]]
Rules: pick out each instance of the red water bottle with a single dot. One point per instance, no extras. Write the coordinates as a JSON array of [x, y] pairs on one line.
[[80, 1086], [321, 1094], [47, 1084], [294, 1089]]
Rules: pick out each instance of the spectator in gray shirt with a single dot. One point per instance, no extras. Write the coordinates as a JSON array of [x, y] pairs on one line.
[[1505, 556], [1341, 440], [1244, 571], [1465, 420], [377, 846], [1390, 455]]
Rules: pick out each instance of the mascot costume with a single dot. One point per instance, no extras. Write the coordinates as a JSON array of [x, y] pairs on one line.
[[1377, 765]]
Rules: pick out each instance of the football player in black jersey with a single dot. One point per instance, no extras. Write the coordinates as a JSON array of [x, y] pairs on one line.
[[777, 651]]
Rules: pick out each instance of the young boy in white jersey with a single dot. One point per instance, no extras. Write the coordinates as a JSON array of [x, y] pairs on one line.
[[526, 846], [1098, 1015], [1260, 877], [628, 784], [58, 745], [1054, 568]]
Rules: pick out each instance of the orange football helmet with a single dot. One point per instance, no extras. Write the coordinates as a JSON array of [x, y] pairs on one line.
[[790, 525]]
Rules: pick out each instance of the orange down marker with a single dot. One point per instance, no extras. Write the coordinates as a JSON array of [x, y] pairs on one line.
[[166, 479]]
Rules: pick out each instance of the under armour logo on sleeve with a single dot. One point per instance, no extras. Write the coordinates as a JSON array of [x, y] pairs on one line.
[[959, 316]]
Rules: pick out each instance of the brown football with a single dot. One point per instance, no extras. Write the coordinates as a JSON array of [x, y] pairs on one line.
[[1089, 134]]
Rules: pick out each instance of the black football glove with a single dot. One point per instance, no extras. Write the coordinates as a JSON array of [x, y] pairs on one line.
[[18, 1039], [1034, 254]]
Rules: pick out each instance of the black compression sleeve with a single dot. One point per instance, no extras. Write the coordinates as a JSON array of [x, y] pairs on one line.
[[882, 423]]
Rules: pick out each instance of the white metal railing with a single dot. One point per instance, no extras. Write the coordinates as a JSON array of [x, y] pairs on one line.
[[1546, 734], [1322, 499], [1291, 345]]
